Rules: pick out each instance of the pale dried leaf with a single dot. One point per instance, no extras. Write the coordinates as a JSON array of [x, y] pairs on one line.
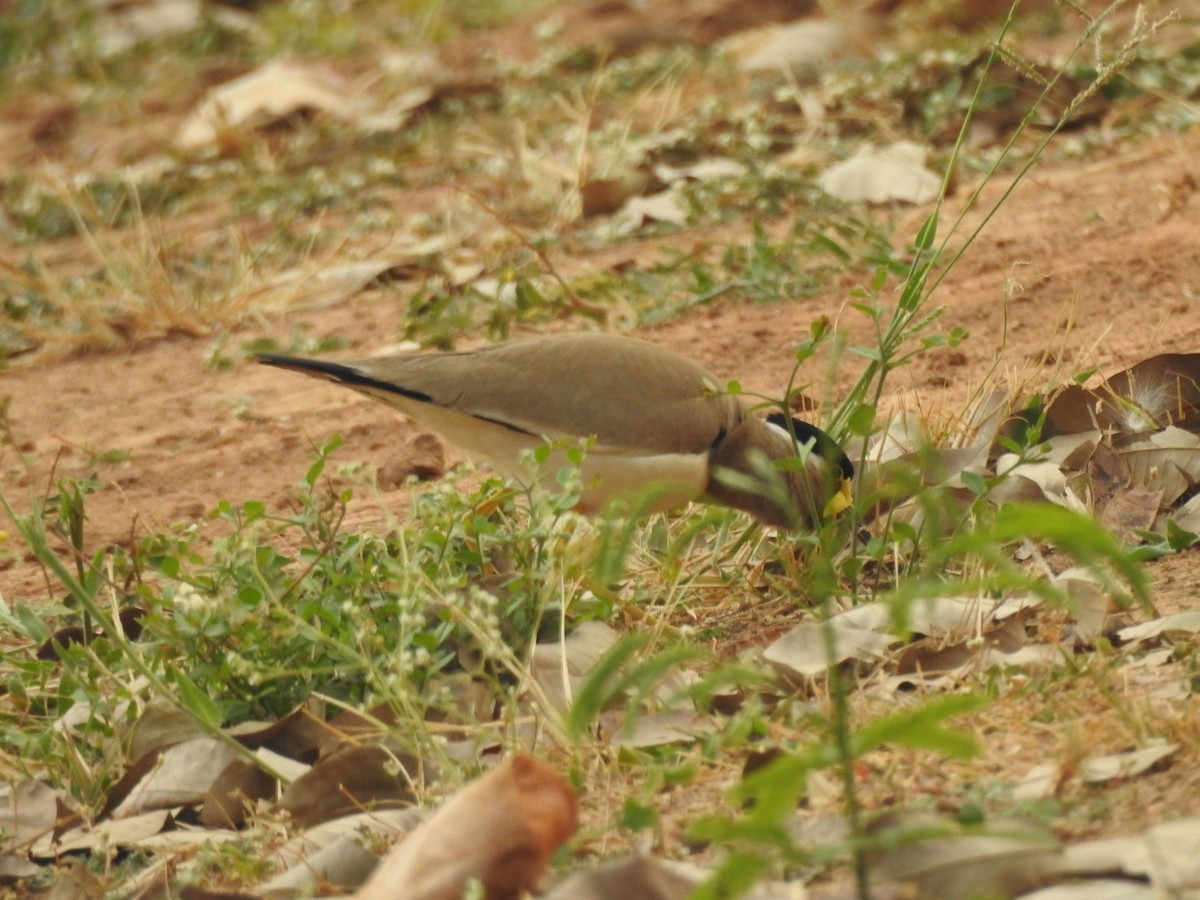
[[315, 288], [266, 95], [1096, 889], [794, 45], [1004, 860], [338, 852], [873, 175], [103, 835], [125, 25], [1038, 783], [500, 831], [1168, 461], [29, 809], [1099, 769], [1187, 622], [658, 729], [639, 211], [559, 668], [1168, 854], [704, 170], [1029, 656], [1187, 516], [176, 776], [801, 651], [1090, 604], [643, 877]]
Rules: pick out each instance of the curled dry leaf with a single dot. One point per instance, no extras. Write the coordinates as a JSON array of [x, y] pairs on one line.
[[1153, 394], [500, 831]]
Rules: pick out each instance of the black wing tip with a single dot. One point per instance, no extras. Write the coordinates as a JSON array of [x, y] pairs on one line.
[[350, 376], [824, 445]]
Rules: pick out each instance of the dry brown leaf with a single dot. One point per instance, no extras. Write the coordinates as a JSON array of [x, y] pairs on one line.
[[177, 775], [29, 812], [110, 833], [316, 288], [500, 831], [603, 196], [352, 779], [1153, 394], [76, 882], [1167, 461], [234, 794], [657, 729]]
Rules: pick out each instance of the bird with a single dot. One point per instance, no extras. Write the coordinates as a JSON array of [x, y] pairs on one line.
[[653, 421]]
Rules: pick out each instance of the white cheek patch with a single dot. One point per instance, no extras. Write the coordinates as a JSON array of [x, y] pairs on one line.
[[805, 448]]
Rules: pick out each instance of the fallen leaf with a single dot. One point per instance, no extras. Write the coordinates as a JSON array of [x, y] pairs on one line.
[[1099, 769], [643, 877], [350, 780], [874, 175], [499, 830], [1003, 859], [801, 651], [178, 775], [266, 95], [339, 853], [1186, 622], [559, 668]]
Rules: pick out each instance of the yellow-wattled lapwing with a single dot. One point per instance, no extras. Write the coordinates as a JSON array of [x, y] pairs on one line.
[[655, 418]]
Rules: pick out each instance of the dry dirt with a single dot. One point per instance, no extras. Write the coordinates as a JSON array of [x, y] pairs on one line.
[[1092, 263]]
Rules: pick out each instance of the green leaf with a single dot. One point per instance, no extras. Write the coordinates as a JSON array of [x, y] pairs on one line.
[[922, 728], [1078, 534], [861, 420], [196, 702], [928, 232]]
